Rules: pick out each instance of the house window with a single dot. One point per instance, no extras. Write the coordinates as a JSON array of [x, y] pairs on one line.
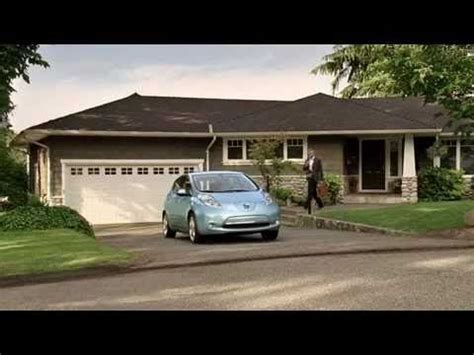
[[142, 171], [76, 171], [127, 171], [235, 149], [449, 160], [467, 156], [294, 148], [110, 171], [93, 171], [240, 149], [173, 170], [394, 158], [158, 171], [188, 169]]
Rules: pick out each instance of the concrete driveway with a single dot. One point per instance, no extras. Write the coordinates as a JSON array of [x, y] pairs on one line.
[[157, 252]]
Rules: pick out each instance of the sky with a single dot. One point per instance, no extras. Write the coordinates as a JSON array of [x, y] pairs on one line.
[[84, 76]]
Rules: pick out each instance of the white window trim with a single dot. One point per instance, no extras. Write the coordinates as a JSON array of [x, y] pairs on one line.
[[246, 161], [437, 161]]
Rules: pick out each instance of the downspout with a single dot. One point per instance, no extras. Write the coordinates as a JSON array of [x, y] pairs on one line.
[[214, 138], [48, 169]]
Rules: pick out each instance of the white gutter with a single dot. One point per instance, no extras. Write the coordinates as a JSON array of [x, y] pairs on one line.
[[48, 168], [214, 138]]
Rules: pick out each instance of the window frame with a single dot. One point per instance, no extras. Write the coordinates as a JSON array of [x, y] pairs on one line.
[[247, 161], [458, 161]]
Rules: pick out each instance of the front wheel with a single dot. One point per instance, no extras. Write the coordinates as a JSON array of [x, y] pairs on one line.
[[270, 235], [167, 231], [193, 232]]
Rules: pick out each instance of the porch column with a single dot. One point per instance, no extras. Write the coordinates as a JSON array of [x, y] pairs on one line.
[[409, 179]]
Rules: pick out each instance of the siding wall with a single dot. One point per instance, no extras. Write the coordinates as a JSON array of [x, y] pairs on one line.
[[329, 149], [119, 148]]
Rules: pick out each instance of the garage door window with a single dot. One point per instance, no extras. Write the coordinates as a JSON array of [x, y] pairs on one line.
[[127, 171], [188, 169], [158, 171], [142, 171], [76, 171], [93, 171], [173, 170], [110, 171]]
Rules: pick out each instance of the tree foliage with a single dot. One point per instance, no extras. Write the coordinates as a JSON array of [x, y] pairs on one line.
[[440, 73], [13, 177], [263, 153], [14, 62]]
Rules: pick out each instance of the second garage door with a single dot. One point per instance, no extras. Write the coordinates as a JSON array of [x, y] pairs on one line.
[[120, 193]]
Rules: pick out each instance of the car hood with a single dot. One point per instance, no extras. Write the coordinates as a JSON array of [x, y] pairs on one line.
[[225, 198]]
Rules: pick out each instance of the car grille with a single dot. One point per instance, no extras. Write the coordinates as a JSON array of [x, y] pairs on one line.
[[246, 225], [241, 222]]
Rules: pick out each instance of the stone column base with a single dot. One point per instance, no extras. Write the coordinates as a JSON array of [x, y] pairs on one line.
[[410, 189]]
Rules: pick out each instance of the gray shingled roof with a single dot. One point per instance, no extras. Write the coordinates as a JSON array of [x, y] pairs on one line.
[[318, 112], [154, 113]]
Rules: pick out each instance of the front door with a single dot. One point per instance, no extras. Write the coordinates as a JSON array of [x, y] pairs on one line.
[[373, 164]]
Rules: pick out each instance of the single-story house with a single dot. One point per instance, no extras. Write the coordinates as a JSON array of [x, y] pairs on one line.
[[115, 162]]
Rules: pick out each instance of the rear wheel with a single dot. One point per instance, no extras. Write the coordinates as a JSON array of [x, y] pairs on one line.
[[167, 231], [270, 235], [193, 232]]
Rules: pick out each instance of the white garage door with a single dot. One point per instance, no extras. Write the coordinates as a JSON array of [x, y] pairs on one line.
[[120, 193]]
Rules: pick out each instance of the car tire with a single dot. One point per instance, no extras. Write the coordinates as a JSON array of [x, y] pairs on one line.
[[270, 235], [167, 231], [193, 232]]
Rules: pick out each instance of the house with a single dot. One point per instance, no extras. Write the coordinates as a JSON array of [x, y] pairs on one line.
[[114, 163]]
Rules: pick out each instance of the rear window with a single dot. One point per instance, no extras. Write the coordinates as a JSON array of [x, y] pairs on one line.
[[223, 183]]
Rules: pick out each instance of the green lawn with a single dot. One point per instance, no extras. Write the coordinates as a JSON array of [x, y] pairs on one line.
[[419, 217], [35, 252]]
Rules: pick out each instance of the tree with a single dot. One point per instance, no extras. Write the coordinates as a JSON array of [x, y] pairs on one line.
[[14, 62], [13, 177], [440, 73], [261, 152]]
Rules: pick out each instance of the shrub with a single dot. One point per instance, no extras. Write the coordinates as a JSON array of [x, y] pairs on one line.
[[440, 184], [334, 184], [282, 193], [31, 217]]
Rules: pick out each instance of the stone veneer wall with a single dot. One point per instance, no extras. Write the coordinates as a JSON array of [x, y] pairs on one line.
[[410, 189], [468, 187], [296, 183]]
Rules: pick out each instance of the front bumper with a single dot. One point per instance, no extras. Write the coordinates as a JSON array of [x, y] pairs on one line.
[[219, 221]]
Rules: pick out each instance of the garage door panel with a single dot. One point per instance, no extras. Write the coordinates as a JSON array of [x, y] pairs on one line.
[[121, 195]]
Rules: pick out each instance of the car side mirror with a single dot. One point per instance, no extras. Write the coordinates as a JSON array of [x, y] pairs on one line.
[[182, 192]]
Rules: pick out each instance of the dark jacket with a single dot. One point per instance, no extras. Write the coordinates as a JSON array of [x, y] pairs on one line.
[[317, 173]]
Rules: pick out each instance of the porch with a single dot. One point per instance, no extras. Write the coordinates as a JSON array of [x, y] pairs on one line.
[[383, 169]]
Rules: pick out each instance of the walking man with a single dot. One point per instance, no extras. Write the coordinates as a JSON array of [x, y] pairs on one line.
[[314, 174]]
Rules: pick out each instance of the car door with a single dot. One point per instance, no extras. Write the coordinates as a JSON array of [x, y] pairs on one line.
[[183, 203], [172, 202]]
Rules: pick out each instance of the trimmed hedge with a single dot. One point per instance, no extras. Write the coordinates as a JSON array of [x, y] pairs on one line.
[[44, 217], [440, 184]]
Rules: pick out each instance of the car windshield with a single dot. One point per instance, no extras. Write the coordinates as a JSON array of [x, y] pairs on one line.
[[223, 183]]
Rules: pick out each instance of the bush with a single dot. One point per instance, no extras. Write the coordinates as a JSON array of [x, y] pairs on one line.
[[440, 184], [31, 218], [334, 184], [281, 193]]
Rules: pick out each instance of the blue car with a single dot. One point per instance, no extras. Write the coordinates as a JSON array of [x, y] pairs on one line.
[[219, 202]]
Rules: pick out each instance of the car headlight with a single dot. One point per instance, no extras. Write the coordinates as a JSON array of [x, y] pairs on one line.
[[208, 200], [267, 198]]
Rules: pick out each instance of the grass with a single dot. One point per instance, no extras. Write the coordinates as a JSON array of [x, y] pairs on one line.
[[420, 217], [38, 252]]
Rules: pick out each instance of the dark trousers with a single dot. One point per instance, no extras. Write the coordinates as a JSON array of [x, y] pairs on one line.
[[313, 193]]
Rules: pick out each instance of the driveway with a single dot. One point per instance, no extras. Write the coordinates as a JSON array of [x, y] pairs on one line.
[[156, 252]]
